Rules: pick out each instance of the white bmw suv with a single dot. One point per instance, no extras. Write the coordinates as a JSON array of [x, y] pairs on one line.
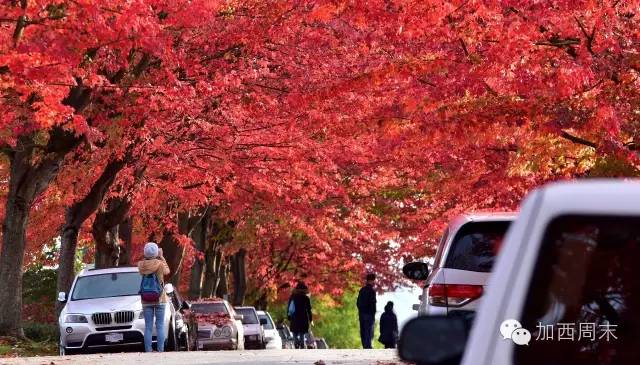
[[103, 311]]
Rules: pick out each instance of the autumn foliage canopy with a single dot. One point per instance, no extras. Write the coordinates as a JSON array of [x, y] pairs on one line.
[[329, 137]]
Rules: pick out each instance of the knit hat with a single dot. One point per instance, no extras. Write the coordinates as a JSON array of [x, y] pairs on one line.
[[150, 250]]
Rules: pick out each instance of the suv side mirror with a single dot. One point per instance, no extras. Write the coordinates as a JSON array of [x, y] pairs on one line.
[[62, 297], [416, 270], [168, 288], [238, 317], [434, 340]]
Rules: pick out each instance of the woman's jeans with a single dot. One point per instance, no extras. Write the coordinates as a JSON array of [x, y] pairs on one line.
[[151, 310]]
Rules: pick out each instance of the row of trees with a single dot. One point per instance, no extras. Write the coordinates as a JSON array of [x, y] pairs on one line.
[[265, 140]]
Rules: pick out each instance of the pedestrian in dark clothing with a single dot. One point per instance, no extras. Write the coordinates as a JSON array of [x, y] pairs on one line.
[[299, 313], [367, 311], [388, 327]]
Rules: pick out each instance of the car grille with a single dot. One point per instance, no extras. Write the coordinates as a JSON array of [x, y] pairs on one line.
[[204, 334], [123, 317], [101, 318]]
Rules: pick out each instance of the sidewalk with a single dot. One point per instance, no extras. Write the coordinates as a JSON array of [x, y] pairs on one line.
[[260, 357]]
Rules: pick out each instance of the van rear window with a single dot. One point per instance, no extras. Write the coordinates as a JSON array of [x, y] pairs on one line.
[[475, 246]]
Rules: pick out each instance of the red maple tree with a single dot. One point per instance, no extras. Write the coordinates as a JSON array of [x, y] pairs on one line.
[[305, 138]]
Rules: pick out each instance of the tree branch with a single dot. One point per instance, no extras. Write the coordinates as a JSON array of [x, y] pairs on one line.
[[464, 47], [589, 37], [578, 140]]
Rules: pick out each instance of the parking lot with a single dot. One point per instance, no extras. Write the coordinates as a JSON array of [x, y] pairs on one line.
[[265, 357]]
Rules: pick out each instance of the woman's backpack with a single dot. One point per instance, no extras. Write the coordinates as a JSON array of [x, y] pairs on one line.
[[292, 308], [150, 288]]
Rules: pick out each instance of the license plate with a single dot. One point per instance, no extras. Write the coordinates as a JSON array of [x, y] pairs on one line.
[[114, 337]]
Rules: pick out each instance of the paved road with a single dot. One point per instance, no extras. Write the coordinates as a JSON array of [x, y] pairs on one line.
[[264, 357]]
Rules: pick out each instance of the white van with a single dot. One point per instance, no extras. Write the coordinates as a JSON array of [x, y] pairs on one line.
[[565, 289], [462, 264]]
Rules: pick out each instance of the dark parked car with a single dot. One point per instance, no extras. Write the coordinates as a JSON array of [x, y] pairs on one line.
[[287, 337], [310, 341], [183, 340], [321, 343]]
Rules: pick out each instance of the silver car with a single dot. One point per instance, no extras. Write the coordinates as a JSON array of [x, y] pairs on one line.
[[222, 333], [103, 311]]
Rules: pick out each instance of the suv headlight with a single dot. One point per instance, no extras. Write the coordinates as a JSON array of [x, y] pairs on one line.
[[141, 315], [75, 318]]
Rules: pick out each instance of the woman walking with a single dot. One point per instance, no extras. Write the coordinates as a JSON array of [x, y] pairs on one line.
[[388, 327], [299, 313], [153, 269]]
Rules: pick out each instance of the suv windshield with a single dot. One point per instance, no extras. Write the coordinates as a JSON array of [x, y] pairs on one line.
[[475, 246], [209, 308], [269, 324], [117, 284], [249, 315]]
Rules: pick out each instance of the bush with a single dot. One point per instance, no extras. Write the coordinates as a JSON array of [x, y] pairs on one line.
[[39, 294], [41, 332]]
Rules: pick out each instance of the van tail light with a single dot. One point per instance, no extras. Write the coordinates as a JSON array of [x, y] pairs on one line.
[[452, 295]]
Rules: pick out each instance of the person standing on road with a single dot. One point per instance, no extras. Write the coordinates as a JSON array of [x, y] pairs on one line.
[[367, 311], [388, 327], [153, 269], [299, 313]]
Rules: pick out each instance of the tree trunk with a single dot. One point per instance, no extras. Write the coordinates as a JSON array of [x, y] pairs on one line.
[[105, 232], [197, 279], [215, 275], [125, 231], [239, 277], [13, 244], [262, 302], [173, 251], [27, 180], [75, 217], [107, 248], [217, 268], [200, 237], [222, 290], [213, 256], [66, 262]]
